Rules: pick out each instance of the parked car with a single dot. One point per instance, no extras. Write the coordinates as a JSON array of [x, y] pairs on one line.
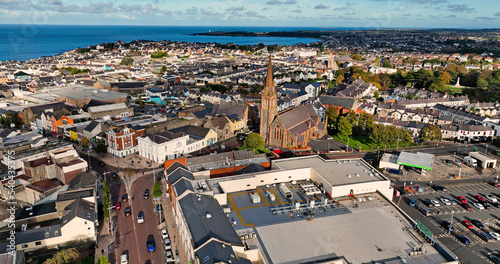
[[413, 202], [447, 225], [101, 164], [467, 224], [114, 174], [477, 223], [118, 206], [140, 218], [484, 236], [494, 235], [461, 199], [439, 188], [164, 233], [128, 211], [493, 183], [467, 206], [169, 256], [453, 202], [463, 239], [150, 244], [167, 244], [479, 198], [146, 194], [491, 198], [434, 202], [445, 201], [159, 208], [494, 258], [478, 206]]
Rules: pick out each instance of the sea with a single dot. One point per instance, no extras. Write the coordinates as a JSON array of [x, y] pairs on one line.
[[28, 41]]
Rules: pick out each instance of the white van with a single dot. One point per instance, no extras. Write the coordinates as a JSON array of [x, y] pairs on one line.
[[124, 259]]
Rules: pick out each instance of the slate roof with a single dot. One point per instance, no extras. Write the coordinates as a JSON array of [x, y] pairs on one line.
[[344, 102], [475, 128], [79, 208], [193, 131], [299, 119], [181, 186], [162, 137], [38, 109], [174, 166], [252, 168], [228, 109], [38, 234], [82, 180], [179, 173], [216, 252], [203, 228], [36, 210], [90, 127]]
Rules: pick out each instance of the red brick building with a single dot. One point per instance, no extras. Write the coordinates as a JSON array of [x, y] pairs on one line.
[[122, 140]]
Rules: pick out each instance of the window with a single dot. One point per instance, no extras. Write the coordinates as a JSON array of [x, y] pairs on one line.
[[248, 185], [24, 246], [46, 234], [38, 243]]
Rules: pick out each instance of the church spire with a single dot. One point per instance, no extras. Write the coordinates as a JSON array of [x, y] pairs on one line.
[[269, 89]]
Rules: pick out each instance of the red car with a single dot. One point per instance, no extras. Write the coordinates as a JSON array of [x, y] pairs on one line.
[[467, 206], [118, 206], [480, 198], [467, 224], [461, 199]]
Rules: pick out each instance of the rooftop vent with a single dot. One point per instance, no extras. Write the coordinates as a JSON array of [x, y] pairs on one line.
[[348, 175], [208, 216]]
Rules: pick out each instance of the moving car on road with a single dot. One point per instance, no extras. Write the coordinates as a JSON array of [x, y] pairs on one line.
[[140, 218], [146, 194], [124, 259], [118, 206], [128, 211], [150, 244]]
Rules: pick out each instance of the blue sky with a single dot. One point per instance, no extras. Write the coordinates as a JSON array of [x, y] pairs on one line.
[[293, 13]]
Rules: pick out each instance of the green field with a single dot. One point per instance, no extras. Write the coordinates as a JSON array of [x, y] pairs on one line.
[[367, 144]]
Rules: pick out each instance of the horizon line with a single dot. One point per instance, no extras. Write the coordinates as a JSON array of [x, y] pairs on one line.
[[320, 27]]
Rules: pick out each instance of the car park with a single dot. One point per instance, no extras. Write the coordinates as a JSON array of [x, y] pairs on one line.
[[463, 239], [494, 235], [467, 224], [491, 198], [169, 256], [164, 233], [150, 244], [445, 201], [477, 223], [413, 202], [128, 211], [140, 218], [167, 244], [478, 206]]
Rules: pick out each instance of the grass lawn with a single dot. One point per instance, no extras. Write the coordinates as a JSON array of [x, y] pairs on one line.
[[367, 144], [455, 90]]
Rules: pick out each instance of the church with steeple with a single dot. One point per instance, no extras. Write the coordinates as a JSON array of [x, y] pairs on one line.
[[293, 127]]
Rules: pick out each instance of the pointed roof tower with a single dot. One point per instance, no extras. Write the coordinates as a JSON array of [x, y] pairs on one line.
[[269, 89]]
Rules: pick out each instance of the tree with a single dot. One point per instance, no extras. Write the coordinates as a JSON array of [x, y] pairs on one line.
[[163, 69], [103, 260], [405, 136], [365, 124], [156, 189], [85, 143], [496, 142], [344, 127], [340, 79], [430, 133], [127, 61], [9, 119], [64, 256], [376, 95], [378, 134], [445, 76], [141, 103], [254, 141], [101, 146], [357, 57], [332, 114], [105, 199], [352, 117]]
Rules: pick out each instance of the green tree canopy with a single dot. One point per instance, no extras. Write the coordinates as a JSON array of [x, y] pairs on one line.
[[101, 146], [156, 189], [332, 113], [64, 256], [254, 141], [103, 260], [127, 61], [85, 143], [430, 133], [344, 127]]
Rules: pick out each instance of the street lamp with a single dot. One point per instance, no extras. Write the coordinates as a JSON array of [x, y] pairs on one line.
[[486, 150], [88, 156]]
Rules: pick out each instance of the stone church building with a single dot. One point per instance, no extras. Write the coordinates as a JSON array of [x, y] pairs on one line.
[[291, 128]]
